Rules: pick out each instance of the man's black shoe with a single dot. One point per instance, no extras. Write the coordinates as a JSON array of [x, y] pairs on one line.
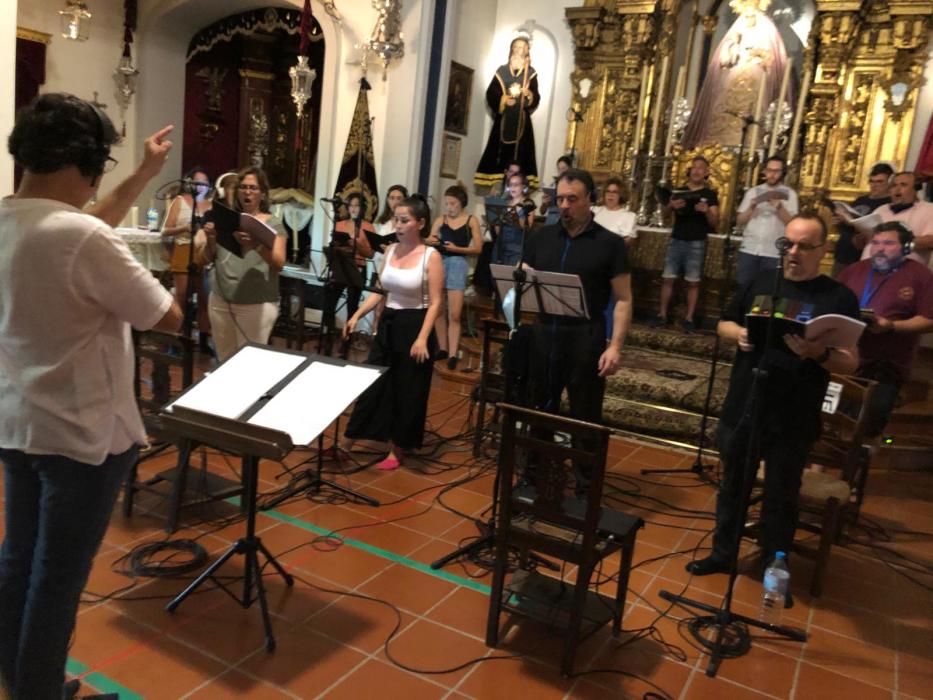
[[705, 567]]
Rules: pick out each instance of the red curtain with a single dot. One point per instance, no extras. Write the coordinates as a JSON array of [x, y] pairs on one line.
[[925, 160]]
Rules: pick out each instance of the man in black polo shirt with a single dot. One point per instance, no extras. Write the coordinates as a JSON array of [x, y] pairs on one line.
[[572, 354], [791, 399], [696, 213], [849, 246]]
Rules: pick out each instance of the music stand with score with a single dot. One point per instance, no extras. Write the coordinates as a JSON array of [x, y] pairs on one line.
[[551, 293], [259, 404]]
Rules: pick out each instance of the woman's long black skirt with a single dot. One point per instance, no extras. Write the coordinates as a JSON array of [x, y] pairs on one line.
[[395, 407]]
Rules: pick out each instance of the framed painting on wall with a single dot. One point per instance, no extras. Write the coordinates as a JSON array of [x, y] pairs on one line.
[[459, 91], [450, 156]]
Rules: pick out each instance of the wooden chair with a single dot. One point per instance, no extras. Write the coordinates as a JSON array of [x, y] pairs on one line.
[[831, 498], [166, 362], [491, 387], [548, 519]]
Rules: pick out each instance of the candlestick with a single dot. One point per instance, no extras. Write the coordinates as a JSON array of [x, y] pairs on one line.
[[134, 217], [678, 89], [756, 124], [782, 94], [659, 103], [798, 118], [640, 107]]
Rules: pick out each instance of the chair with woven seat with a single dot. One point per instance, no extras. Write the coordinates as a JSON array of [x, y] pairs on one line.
[[834, 494], [548, 518]]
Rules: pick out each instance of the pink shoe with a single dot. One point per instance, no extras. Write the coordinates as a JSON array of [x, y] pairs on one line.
[[389, 463]]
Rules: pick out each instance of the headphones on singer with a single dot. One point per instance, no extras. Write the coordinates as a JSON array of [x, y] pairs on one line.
[[904, 234], [106, 135]]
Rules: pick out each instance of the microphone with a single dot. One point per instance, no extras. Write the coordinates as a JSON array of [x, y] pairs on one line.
[[783, 245], [336, 201]]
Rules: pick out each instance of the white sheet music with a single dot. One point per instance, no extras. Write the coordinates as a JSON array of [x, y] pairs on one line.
[[239, 382], [314, 399], [561, 293]]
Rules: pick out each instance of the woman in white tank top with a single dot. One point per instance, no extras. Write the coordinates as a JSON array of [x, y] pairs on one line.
[[394, 409]]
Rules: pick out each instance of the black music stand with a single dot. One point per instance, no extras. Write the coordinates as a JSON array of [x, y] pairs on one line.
[[234, 408], [552, 293]]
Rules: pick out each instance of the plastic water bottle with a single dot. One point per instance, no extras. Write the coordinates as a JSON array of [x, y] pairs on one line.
[[776, 584], [152, 217]]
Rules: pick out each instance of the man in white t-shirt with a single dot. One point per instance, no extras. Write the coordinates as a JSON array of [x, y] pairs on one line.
[[69, 428], [907, 207], [764, 211]]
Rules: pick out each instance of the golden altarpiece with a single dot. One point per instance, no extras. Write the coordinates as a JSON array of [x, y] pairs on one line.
[[856, 82]]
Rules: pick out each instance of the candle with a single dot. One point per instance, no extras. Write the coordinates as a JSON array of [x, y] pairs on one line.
[[659, 106], [640, 107], [798, 118], [134, 217], [759, 108], [782, 94], [678, 89]]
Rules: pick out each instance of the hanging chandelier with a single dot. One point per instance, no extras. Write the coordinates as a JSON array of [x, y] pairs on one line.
[[301, 74], [74, 19], [386, 42]]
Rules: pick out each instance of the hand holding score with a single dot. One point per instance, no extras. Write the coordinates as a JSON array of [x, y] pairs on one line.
[[742, 340], [811, 348]]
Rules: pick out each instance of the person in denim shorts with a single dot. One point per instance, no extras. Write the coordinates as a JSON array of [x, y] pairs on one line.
[[696, 213], [456, 235]]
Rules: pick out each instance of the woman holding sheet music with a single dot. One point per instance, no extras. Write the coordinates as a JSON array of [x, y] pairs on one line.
[[456, 235], [244, 297], [394, 409]]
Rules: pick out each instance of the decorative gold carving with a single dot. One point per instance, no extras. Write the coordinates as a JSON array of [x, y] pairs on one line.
[[258, 139], [709, 24], [33, 35], [213, 79]]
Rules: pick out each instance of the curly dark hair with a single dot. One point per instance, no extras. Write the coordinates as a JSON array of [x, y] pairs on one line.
[[58, 130]]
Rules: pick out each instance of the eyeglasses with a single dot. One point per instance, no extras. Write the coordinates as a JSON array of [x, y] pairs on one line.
[[804, 247], [110, 164], [249, 188]]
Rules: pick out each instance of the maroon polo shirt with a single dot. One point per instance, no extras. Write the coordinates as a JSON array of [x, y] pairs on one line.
[[898, 295]]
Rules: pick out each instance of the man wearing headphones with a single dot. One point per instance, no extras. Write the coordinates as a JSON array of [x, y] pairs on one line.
[[764, 211], [907, 207], [572, 353], [696, 213], [69, 427], [896, 297], [850, 244]]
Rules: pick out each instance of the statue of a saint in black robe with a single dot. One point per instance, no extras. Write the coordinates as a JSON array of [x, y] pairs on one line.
[[512, 96]]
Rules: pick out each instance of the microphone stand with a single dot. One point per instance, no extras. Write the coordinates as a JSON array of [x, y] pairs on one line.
[[722, 618], [487, 538], [698, 467]]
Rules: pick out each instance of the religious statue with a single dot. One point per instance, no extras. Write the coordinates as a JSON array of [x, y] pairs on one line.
[[512, 96], [751, 51]]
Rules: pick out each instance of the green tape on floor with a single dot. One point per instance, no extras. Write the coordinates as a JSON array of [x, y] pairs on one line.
[[100, 681], [379, 552]]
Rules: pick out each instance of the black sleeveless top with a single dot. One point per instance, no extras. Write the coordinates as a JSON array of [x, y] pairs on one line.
[[458, 236]]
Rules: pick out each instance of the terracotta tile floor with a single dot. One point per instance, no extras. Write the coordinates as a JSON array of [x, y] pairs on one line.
[[871, 634]]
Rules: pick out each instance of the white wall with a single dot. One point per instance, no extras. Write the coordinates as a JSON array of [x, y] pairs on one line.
[[83, 67], [8, 20]]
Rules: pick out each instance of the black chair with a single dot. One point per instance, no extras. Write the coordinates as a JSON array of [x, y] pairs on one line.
[[549, 518], [491, 387]]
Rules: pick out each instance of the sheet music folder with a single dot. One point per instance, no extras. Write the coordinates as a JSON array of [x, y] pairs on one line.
[[272, 394], [552, 293]]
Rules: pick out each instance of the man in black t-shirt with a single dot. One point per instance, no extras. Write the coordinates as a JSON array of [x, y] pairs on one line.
[[790, 400], [850, 244], [569, 353], [696, 213]]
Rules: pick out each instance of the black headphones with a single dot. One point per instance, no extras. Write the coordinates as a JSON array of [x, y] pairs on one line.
[[98, 158], [904, 234]]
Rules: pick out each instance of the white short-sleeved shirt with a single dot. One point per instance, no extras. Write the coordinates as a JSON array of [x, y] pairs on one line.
[[69, 290], [765, 227], [918, 218], [620, 221]]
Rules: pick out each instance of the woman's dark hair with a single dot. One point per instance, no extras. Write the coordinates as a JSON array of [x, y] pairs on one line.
[[387, 212], [566, 160], [457, 192], [417, 204], [623, 190], [263, 181], [58, 130], [358, 197]]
